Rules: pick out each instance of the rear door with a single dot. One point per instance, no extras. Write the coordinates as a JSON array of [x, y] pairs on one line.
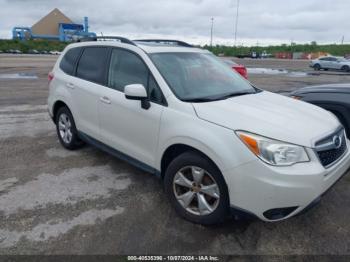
[[125, 125], [91, 74], [64, 76], [325, 62]]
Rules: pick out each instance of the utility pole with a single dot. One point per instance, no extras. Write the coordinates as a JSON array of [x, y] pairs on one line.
[[236, 24], [211, 31], [342, 40]]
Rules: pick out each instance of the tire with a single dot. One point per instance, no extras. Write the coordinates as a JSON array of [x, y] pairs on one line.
[[66, 129], [345, 68], [205, 206], [317, 67]]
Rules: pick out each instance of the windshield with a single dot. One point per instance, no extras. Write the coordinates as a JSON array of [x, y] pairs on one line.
[[195, 76]]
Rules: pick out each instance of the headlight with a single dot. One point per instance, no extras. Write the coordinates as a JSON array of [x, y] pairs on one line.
[[274, 152]]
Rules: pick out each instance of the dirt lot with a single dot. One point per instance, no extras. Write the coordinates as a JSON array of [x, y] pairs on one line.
[[54, 201]]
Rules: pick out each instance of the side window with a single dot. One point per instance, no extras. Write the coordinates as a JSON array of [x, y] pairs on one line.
[[68, 61], [127, 68], [92, 64]]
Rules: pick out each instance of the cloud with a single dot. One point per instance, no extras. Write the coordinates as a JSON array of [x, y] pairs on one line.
[[268, 21]]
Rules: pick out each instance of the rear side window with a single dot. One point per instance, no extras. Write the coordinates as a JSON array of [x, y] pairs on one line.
[[68, 61], [92, 64]]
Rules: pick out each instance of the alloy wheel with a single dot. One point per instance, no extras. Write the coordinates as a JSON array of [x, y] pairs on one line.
[[65, 128], [196, 190]]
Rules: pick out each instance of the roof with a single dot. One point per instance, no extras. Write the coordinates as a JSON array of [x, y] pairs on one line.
[[147, 47], [158, 48]]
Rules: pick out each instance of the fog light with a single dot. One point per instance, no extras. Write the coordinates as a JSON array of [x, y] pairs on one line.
[[278, 213]]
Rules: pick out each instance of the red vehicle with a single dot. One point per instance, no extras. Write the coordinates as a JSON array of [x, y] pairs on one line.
[[241, 69]]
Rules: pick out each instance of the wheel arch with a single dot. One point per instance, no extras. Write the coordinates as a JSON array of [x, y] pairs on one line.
[[317, 66], [176, 149], [56, 106], [345, 68]]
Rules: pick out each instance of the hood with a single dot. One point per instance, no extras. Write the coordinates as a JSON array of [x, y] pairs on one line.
[[272, 116]]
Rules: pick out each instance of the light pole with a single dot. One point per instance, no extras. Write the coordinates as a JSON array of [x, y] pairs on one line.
[[211, 31], [236, 24]]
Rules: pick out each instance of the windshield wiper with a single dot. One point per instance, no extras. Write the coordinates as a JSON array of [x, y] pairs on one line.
[[199, 99], [226, 96], [216, 98]]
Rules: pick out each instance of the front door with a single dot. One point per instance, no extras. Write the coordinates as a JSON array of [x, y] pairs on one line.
[[124, 124]]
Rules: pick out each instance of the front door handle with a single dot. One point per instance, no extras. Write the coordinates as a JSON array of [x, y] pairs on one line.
[[105, 100], [70, 85]]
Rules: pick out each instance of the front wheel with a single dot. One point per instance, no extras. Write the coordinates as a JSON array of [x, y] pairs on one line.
[[197, 189], [317, 67]]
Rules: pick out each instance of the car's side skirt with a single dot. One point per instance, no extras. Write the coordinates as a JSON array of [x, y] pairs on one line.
[[92, 141]]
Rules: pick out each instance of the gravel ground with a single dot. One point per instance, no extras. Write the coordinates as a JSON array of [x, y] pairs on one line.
[[54, 201]]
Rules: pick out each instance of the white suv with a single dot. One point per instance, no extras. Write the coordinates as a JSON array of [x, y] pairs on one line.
[[218, 143]]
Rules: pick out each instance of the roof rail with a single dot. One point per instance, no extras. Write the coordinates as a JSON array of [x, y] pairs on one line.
[[165, 41], [107, 38]]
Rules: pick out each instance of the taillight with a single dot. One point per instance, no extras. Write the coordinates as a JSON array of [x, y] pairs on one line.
[[241, 70], [50, 76]]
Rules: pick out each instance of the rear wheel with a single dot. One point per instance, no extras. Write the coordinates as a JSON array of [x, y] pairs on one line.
[[317, 67], [197, 189], [66, 130]]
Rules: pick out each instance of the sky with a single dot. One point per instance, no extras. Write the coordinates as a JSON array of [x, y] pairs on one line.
[[261, 22]]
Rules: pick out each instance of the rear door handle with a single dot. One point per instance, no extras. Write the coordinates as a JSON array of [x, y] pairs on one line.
[[70, 85], [105, 100]]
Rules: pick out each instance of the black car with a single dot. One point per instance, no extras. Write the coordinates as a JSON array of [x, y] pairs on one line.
[[333, 97]]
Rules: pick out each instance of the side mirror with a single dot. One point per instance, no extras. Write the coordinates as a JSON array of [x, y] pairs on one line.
[[137, 92]]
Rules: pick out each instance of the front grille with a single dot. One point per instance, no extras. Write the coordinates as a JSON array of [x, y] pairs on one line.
[[327, 150]]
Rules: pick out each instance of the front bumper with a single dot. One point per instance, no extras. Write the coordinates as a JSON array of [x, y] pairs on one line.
[[276, 193]]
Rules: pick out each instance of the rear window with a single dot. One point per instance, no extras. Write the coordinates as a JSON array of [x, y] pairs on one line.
[[68, 61], [92, 64]]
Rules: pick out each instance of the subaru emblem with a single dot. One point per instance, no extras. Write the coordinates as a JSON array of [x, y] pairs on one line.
[[337, 141]]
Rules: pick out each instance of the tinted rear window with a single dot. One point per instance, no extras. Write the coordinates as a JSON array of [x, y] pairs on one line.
[[68, 61], [92, 64]]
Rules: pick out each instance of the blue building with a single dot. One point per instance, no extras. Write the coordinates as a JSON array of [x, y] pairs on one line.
[[54, 26]]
